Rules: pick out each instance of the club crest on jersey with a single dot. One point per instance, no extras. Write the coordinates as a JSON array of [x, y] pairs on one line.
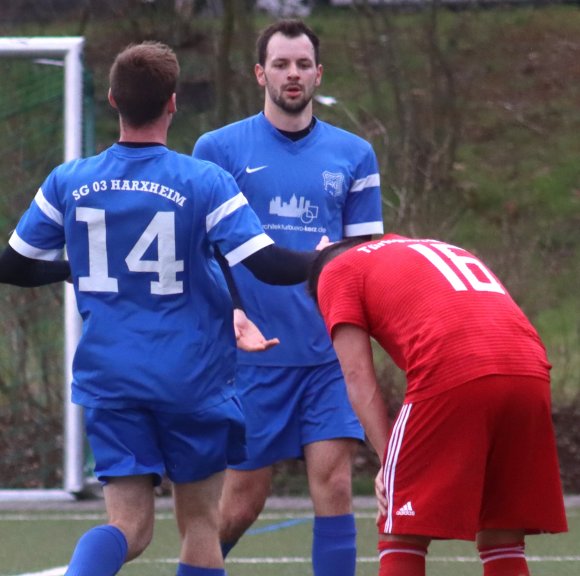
[[333, 183]]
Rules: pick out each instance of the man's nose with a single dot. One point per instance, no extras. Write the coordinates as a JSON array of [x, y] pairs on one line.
[[293, 71]]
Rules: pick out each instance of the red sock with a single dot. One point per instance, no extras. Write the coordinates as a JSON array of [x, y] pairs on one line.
[[504, 560], [401, 559]]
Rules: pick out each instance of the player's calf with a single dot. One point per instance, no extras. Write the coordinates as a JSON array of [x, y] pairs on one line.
[[401, 558]]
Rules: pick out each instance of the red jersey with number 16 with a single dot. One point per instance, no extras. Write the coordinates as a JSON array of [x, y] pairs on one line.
[[439, 312]]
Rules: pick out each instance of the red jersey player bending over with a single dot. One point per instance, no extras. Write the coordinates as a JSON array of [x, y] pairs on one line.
[[471, 454]]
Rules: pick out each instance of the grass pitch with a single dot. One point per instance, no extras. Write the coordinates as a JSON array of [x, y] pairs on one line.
[[38, 542]]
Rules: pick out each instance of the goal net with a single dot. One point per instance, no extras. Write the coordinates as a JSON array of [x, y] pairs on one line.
[[41, 120]]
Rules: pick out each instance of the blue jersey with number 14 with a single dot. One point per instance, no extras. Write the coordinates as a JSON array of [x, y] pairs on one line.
[[139, 226], [324, 183]]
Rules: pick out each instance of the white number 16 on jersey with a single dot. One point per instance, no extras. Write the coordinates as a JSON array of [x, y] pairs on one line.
[[464, 276]]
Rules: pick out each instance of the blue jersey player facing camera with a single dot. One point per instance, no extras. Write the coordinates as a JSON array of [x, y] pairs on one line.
[[304, 178], [154, 368]]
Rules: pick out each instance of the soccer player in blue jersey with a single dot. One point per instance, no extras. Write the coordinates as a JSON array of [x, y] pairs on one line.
[[155, 364], [304, 178]]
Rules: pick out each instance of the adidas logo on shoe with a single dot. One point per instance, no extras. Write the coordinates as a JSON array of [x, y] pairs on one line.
[[406, 510]]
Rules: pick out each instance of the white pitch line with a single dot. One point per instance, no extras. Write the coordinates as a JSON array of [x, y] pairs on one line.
[[370, 559], [50, 572], [59, 571], [50, 517], [24, 516]]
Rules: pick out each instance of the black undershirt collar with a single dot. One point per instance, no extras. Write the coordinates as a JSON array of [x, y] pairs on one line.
[[140, 144], [295, 136]]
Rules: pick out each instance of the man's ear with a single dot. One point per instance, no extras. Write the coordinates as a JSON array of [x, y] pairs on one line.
[[260, 76], [172, 104], [319, 71], [111, 99]]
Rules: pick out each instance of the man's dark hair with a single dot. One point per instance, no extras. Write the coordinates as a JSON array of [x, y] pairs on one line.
[[324, 257], [143, 78], [291, 29]]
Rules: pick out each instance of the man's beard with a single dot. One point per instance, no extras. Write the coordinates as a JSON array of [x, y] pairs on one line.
[[294, 107]]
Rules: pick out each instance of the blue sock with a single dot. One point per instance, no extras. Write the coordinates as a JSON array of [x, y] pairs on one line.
[[188, 570], [99, 552], [226, 547], [334, 545]]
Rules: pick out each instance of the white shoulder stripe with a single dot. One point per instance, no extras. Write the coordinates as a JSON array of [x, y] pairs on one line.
[[48, 208], [30, 251], [248, 248], [363, 229], [224, 209], [371, 181]]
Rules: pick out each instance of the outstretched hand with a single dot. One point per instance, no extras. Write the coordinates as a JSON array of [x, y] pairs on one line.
[[248, 335]]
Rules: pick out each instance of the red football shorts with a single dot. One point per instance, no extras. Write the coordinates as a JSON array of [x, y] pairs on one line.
[[479, 456]]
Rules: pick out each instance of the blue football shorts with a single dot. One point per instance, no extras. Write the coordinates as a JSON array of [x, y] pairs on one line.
[[187, 447], [287, 408]]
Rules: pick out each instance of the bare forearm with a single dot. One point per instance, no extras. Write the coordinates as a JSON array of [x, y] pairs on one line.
[[368, 404], [352, 345]]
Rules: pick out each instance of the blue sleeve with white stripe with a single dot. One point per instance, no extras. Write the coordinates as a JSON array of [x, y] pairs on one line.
[[362, 211], [232, 224], [40, 231]]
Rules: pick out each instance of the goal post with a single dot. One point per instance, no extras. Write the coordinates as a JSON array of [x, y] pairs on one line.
[[67, 51]]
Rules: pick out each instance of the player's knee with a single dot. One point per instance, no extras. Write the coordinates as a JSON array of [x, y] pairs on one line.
[[238, 517], [241, 507], [490, 538], [236, 521], [336, 485], [243, 499]]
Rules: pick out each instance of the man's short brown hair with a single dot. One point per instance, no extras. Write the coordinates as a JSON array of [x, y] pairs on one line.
[[143, 78], [291, 29]]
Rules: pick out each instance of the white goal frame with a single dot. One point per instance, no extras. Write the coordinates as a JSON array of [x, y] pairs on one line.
[[69, 50]]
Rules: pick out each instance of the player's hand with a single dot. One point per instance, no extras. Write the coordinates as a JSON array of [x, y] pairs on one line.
[[248, 335], [380, 493], [323, 243]]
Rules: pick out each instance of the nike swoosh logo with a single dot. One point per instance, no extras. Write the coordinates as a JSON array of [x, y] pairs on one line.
[[256, 169]]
